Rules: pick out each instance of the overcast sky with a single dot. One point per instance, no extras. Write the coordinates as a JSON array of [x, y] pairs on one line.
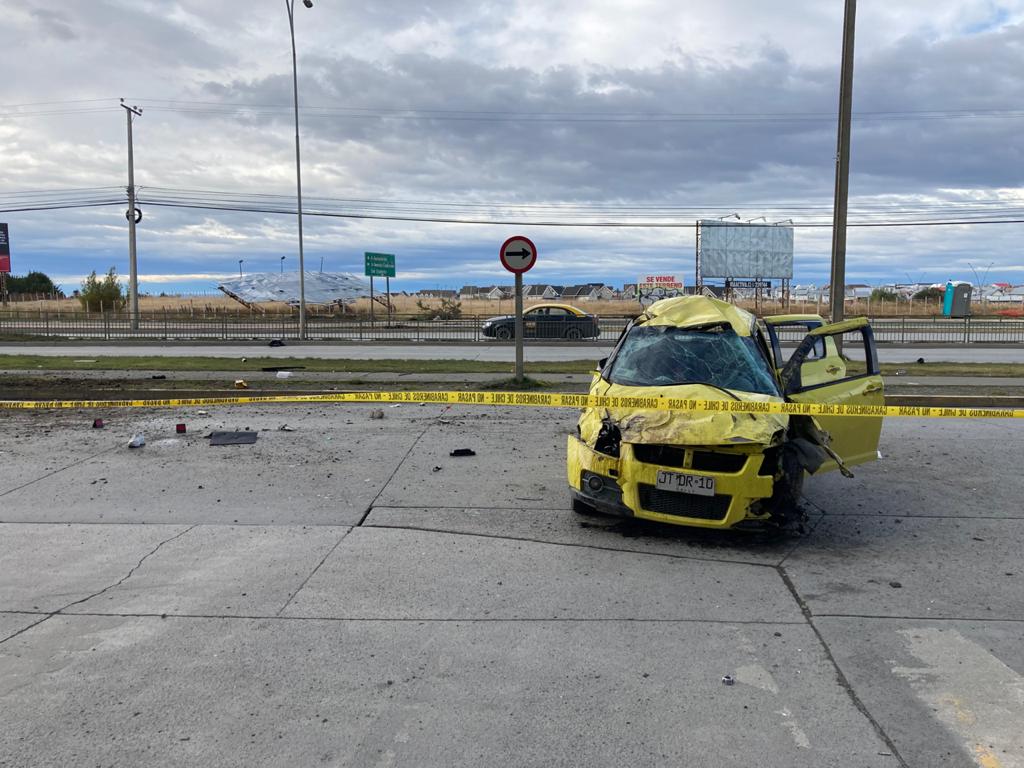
[[612, 111]]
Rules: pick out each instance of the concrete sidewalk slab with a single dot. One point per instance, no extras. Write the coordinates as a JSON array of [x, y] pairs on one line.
[[932, 467], [48, 567], [562, 526], [33, 446], [884, 566], [497, 476], [383, 573], [221, 570], [429, 695], [950, 693], [326, 472], [12, 623]]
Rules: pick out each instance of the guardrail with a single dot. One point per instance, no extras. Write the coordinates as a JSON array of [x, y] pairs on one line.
[[175, 326]]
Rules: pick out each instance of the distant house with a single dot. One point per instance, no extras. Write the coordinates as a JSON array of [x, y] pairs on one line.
[[588, 292], [857, 291], [577, 292], [1008, 294], [496, 292], [629, 291], [435, 293], [541, 291]]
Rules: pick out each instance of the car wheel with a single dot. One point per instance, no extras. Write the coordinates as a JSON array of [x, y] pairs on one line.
[[504, 333], [573, 333]]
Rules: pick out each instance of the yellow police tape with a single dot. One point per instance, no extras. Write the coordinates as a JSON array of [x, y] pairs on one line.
[[545, 400]]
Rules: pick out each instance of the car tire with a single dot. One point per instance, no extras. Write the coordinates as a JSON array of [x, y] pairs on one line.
[[504, 333], [573, 333]]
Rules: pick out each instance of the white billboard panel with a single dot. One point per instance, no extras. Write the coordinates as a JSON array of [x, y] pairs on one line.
[[745, 250]]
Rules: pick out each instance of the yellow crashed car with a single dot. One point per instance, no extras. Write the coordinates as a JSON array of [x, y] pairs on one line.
[[721, 469]]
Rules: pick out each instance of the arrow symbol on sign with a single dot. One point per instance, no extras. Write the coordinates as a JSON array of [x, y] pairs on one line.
[[522, 252]]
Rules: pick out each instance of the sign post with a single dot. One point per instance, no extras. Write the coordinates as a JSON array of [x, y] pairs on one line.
[[379, 265], [518, 254], [5, 261]]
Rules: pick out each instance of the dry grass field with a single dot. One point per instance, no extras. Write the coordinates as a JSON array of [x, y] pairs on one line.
[[200, 306]]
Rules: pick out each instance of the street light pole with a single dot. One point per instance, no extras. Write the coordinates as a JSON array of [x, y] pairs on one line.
[[290, 4], [837, 293], [240, 267]]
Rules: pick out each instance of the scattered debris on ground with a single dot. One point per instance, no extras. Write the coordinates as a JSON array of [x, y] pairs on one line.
[[463, 452], [138, 440]]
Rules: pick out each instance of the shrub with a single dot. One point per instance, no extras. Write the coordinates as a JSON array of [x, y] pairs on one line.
[[450, 309], [930, 294], [884, 294], [97, 294]]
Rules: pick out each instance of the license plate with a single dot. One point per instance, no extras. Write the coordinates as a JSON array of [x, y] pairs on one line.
[[698, 485]]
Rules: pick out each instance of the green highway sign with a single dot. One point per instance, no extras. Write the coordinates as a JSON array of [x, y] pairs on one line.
[[379, 264]]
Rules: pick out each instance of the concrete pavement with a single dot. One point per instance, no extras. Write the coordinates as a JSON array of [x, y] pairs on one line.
[[350, 594]]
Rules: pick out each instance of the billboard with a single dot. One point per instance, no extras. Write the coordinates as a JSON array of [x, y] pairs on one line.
[[5, 249], [745, 250], [650, 288], [668, 282]]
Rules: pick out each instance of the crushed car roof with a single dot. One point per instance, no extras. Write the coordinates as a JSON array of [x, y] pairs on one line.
[[697, 312]]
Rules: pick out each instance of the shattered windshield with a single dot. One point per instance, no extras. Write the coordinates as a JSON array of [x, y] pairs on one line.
[[662, 355]]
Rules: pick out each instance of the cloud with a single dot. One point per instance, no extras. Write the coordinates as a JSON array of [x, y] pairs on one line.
[[600, 103]]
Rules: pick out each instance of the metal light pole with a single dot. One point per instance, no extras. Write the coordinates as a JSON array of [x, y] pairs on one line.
[[240, 267], [290, 4], [837, 293], [282, 265], [133, 265]]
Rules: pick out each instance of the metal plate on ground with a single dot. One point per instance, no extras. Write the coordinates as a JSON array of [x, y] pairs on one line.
[[233, 438]]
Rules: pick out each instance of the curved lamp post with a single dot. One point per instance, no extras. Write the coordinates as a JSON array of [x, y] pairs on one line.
[[290, 4]]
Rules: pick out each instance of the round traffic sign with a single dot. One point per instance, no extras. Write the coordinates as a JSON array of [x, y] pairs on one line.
[[518, 254]]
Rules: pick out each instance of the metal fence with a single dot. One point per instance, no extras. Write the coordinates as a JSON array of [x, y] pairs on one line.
[[176, 326]]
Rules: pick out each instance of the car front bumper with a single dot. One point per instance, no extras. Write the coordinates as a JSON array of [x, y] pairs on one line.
[[627, 487]]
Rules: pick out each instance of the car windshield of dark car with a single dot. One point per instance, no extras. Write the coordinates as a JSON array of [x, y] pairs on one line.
[[661, 355]]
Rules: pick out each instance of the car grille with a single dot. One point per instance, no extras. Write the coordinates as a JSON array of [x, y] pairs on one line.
[[663, 455], [703, 461], [683, 504], [711, 461]]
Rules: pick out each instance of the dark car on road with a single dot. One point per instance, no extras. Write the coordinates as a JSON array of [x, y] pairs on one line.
[[545, 321]]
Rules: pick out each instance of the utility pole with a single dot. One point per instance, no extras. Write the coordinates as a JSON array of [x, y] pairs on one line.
[[133, 266], [837, 292], [290, 4]]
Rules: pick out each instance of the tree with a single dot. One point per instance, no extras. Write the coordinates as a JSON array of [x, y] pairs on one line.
[[33, 282], [102, 294], [884, 294]]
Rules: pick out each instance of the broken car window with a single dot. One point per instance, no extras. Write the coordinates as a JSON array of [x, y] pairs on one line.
[[660, 355]]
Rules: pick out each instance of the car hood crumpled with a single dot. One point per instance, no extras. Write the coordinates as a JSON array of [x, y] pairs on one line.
[[684, 427]]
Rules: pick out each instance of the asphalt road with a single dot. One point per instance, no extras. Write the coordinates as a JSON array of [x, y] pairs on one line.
[[347, 593], [532, 352]]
